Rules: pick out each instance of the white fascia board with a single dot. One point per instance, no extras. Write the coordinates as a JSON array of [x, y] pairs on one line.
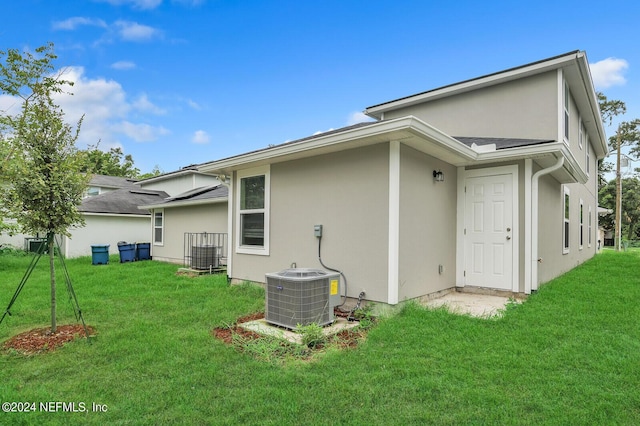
[[184, 203], [477, 83], [404, 127], [587, 82], [119, 215]]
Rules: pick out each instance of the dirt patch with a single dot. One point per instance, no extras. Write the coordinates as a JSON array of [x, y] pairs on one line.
[[345, 339], [43, 340]]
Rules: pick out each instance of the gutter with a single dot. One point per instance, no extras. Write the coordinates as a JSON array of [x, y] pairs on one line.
[[531, 228]]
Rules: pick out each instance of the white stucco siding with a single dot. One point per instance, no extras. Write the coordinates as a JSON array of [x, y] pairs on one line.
[[107, 229], [427, 225], [525, 108], [347, 193], [210, 218]]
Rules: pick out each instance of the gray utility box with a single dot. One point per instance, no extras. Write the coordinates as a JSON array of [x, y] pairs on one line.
[[301, 296]]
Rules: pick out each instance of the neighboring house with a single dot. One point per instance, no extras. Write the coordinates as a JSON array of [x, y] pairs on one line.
[[109, 210], [112, 217], [179, 181], [488, 184], [101, 184], [180, 221]]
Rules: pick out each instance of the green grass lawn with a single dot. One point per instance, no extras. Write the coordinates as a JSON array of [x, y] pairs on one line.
[[569, 355]]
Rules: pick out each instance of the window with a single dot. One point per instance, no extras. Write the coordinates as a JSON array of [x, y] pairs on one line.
[[253, 211], [581, 224], [580, 134], [565, 230], [93, 190], [158, 227], [588, 154], [590, 228], [566, 112]]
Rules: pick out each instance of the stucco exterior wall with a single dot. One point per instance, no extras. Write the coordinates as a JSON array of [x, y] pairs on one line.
[[107, 229], [526, 108], [193, 219], [347, 193], [427, 225]]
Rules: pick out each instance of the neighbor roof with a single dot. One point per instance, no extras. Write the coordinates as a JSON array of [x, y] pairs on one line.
[[105, 181], [121, 201], [202, 195]]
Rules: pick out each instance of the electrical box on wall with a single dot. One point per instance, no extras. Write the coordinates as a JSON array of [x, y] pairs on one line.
[[317, 230]]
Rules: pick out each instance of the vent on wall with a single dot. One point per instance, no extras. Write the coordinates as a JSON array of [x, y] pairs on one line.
[[301, 296]]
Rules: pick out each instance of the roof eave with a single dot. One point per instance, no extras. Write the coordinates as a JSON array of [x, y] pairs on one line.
[[184, 203], [378, 110]]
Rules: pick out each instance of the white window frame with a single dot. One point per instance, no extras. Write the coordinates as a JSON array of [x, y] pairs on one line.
[[256, 171], [580, 133], [587, 154], [566, 222], [566, 99], [156, 227], [590, 228], [581, 235]]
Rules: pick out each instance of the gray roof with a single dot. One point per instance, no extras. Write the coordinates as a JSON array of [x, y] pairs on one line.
[[122, 201], [105, 181], [501, 143], [201, 193]]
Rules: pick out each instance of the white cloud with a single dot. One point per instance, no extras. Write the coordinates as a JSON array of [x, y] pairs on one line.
[[609, 72], [136, 4], [357, 117], [132, 31], [106, 111], [76, 21], [193, 104], [123, 65], [200, 137], [141, 132], [145, 105]]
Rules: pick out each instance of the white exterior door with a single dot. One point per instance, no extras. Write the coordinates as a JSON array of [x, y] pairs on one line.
[[490, 243]]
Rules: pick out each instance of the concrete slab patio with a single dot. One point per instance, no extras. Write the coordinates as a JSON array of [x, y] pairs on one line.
[[474, 304]]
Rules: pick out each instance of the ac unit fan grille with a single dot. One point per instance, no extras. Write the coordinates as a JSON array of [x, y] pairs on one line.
[[291, 302]]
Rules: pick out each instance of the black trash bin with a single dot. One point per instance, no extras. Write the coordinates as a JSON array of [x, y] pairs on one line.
[[127, 252]]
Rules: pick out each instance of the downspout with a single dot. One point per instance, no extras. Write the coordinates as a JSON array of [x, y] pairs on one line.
[[533, 284], [226, 181]]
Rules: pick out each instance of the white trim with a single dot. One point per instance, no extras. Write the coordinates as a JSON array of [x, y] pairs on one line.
[[255, 171], [394, 222], [153, 226], [185, 203], [142, 215], [230, 235], [515, 225], [581, 226], [590, 228], [460, 276], [528, 219], [566, 221]]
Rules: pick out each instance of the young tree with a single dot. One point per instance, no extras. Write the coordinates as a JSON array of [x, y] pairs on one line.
[[44, 185]]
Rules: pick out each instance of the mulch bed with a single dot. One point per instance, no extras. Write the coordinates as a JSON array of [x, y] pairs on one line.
[[42, 340]]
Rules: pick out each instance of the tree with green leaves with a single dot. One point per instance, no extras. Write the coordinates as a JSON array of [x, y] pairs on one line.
[[627, 134], [43, 183], [110, 163], [630, 212]]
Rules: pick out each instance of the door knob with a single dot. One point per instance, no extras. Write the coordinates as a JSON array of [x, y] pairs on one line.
[[508, 238]]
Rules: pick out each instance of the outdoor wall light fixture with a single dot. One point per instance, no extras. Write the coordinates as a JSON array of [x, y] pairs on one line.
[[438, 176]]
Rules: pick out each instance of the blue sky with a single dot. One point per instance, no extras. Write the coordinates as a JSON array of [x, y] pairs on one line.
[[178, 82]]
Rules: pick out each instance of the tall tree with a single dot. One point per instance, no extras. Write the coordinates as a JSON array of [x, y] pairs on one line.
[[44, 183], [630, 212], [627, 134]]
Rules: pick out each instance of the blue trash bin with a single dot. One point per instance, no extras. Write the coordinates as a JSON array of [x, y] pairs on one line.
[[143, 251], [100, 254], [127, 252]]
